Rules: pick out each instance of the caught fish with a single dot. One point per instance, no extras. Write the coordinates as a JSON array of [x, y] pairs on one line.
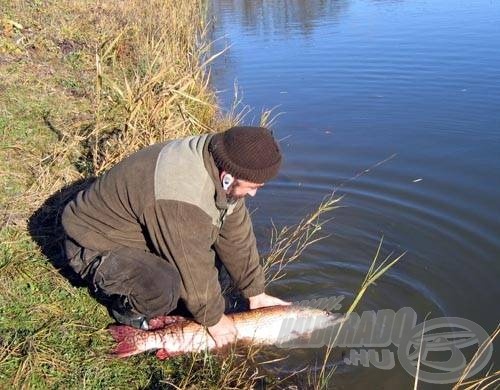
[[175, 335]]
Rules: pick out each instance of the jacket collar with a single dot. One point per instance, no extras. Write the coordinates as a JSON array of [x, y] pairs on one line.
[[213, 171]]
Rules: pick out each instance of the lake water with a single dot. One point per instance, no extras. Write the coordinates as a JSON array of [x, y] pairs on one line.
[[408, 90]]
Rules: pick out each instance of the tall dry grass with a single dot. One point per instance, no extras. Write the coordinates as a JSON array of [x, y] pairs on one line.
[[160, 90], [131, 73], [289, 242]]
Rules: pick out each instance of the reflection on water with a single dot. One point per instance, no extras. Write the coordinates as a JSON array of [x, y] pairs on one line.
[[281, 16], [359, 81]]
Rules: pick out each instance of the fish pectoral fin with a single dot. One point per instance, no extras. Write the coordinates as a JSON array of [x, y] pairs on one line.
[[162, 354]]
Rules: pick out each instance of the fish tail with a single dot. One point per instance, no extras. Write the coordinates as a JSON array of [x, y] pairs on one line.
[[126, 338]]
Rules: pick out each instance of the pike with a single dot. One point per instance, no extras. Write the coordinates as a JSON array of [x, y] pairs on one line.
[[174, 335]]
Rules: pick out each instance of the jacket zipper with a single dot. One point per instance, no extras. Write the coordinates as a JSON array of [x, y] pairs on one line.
[[222, 216]]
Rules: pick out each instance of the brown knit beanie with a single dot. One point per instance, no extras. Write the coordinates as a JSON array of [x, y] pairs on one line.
[[247, 153]]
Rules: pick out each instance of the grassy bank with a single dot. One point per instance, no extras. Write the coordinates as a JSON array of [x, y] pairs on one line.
[[84, 84]]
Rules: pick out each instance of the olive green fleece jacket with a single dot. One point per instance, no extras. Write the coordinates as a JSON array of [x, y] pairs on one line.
[[168, 199]]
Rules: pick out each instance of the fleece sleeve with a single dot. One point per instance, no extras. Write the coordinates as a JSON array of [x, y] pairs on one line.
[[182, 234], [237, 249]]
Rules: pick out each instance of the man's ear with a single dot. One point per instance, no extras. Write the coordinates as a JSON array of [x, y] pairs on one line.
[[227, 180]]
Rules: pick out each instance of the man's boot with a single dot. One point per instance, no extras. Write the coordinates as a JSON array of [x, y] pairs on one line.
[[124, 313]]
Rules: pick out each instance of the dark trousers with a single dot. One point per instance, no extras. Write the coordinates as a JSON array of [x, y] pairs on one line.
[[149, 283]]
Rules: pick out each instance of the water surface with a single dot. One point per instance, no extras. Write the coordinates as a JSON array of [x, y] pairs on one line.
[[412, 84]]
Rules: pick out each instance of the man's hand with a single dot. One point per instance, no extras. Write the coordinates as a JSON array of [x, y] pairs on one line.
[[223, 332], [264, 300]]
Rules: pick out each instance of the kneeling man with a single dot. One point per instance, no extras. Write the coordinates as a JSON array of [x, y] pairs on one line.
[[144, 235]]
